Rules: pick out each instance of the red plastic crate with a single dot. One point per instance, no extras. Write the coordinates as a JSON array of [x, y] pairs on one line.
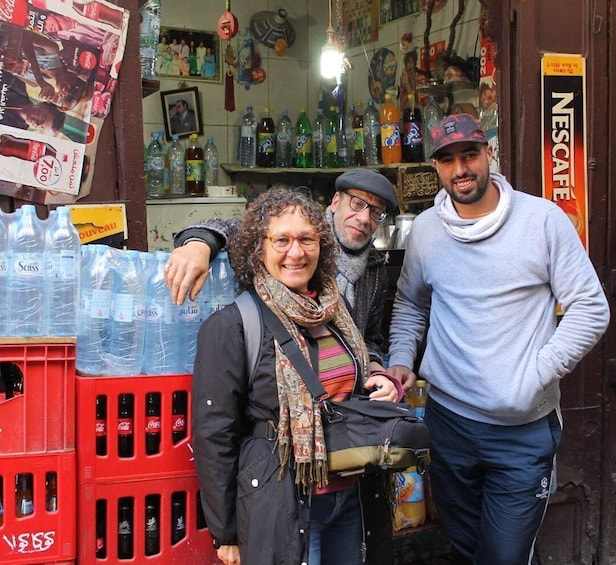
[[41, 537], [172, 459], [194, 549], [42, 419]]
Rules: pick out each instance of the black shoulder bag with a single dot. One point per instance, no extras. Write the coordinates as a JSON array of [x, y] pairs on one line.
[[361, 435]]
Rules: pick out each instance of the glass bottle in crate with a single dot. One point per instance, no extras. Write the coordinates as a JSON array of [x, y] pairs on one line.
[[101, 529], [101, 425], [178, 517], [152, 423], [152, 525], [179, 406], [51, 491], [125, 528], [1, 502], [24, 502], [126, 420]]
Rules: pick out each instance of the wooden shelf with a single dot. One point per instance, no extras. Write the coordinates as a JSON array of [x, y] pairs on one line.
[[149, 87], [233, 168]]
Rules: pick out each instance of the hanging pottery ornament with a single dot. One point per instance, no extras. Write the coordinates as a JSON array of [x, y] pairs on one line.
[[280, 47], [227, 25], [269, 27]]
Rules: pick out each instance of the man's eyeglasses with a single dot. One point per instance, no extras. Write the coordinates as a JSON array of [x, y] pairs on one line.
[[358, 204], [284, 242]]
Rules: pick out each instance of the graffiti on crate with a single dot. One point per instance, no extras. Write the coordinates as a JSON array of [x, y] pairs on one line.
[[30, 542]]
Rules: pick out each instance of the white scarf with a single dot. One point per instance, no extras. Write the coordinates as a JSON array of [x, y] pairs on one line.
[[475, 229]]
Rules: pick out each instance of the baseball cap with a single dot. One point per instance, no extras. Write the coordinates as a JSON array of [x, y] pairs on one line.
[[370, 181], [454, 129]]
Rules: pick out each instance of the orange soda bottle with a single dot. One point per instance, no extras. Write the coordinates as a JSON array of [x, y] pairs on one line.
[[410, 510], [391, 140]]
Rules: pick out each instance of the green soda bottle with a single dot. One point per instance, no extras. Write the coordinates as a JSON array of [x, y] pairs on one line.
[[303, 141]]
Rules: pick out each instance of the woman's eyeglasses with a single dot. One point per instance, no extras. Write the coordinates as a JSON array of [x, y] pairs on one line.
[[358, 204], [283, 242]]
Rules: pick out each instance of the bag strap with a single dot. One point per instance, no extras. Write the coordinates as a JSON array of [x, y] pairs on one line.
[[291, 350], [252, 323]]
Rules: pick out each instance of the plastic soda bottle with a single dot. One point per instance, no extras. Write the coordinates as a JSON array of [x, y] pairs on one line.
[[195, 176], [211, 162], [284, 141], [417, 397], [412, 139], [303, 141], [357, 123], [177, 167], [266, 141], [410, 509], [318, 140], [391, 140], [331, 138], [372, 133]]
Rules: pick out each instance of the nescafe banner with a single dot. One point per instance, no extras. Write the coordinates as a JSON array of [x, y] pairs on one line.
[[563, 134], [59, 65]]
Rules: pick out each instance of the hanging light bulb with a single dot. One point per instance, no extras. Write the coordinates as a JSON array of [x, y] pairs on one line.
[[331, 57]]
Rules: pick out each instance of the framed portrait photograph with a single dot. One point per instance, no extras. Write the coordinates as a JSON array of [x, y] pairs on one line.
[[182, 112], [189, 53]]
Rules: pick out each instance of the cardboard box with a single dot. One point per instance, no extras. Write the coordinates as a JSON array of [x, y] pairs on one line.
[[100, 223]]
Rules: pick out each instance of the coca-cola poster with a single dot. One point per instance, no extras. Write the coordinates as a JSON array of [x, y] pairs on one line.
[[59, 65]]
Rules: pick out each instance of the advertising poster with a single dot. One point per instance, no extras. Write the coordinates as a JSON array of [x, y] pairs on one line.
[[563, 134], [59, 64]]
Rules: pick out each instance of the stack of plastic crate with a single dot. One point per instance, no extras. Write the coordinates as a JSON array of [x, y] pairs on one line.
[[134, 506], [37, 443]]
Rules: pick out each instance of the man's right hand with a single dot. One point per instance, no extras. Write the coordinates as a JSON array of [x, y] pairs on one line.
[[189, 266], [406, 375]]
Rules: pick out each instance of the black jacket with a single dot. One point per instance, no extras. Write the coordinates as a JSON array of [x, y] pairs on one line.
[[238, 472]]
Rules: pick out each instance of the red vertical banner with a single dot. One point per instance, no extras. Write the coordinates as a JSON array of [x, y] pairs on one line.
[[563, 135]]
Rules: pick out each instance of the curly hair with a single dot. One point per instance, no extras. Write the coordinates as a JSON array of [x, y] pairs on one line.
[[246, 244]]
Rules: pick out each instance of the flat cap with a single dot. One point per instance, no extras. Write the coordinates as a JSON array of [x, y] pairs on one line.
[[370, 181]]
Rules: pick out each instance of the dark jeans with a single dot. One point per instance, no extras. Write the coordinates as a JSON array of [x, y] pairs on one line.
[[491, 484], [336, 528]]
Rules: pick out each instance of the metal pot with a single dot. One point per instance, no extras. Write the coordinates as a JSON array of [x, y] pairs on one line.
[[403, 227]]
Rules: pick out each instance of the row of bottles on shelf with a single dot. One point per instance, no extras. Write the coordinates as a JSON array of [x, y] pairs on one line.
[[153, 527], [39, 273], [126, 418], [179, 170], [338, 139], [128, 324], [24, 494]]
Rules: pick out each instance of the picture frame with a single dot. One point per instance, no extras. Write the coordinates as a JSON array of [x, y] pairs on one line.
[[182, 112], [190, 54]]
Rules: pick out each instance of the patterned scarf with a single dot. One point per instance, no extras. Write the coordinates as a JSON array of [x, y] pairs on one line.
[[300, 428]]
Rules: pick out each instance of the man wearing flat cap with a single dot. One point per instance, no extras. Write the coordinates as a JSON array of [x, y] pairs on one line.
[[483, 273], [362, 201]]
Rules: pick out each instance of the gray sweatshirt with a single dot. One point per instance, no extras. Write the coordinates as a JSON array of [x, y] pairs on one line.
[[489, 289]]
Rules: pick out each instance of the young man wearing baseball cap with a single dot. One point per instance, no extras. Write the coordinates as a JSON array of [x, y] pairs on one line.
[[362, 201], [484, 271]]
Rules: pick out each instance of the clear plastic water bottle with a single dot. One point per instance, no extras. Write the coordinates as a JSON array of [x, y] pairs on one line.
[[432, 115], [127, 324], [372, 133], [210, 158], [63, 273], [149, 31], [155, 180], [161, 140], [4, 274], [319, 140], [26, 286], [284, 141], [162, 331], [177, 167], [222, 283], [248, 139], [192, 314], [94, 310]]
